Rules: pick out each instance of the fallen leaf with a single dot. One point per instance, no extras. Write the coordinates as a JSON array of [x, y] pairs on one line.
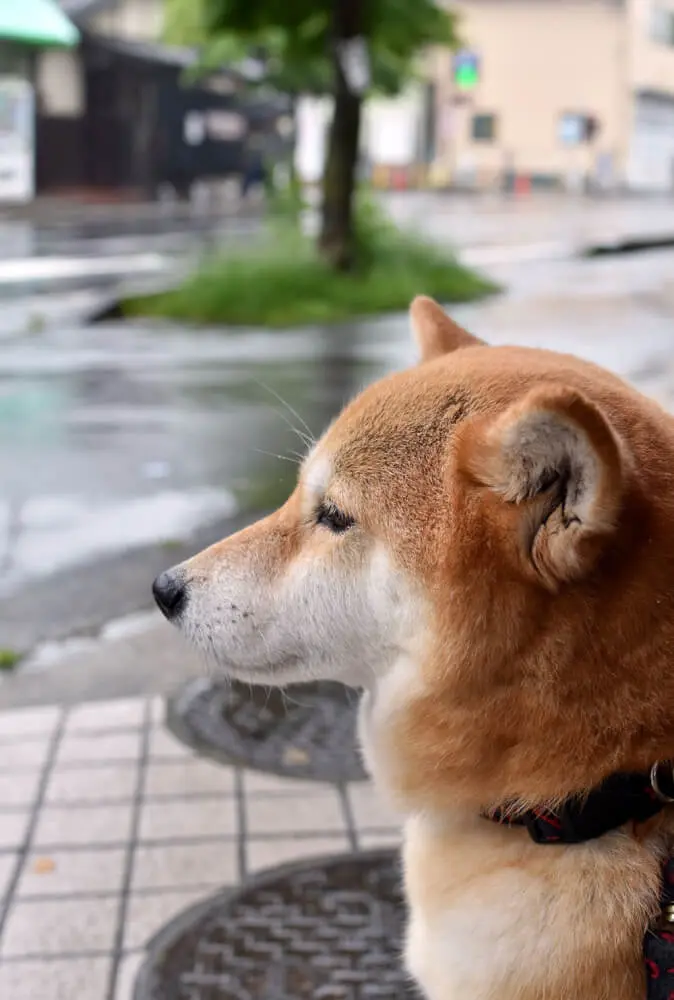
[[44, 866]]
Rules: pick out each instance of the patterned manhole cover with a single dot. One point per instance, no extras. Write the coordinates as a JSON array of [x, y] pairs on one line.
[[324, 929], [305, 731]]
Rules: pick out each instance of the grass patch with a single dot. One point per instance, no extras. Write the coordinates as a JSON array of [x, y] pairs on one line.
[[9, 659], [284, 282], [171, 544]]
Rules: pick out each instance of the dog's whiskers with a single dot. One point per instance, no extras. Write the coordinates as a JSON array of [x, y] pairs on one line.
[[306, 434], [295, 460]]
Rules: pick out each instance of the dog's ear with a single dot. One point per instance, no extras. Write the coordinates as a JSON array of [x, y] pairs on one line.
[[555, 457], [435, 333]]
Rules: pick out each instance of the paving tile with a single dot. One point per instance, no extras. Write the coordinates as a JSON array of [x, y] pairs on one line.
[[370, 841], [79, 748], [7, 867], [320, 812], [59, 926], [99, 716], [195, 818], [190, 776], [268, 853], [180, 865], [369, 808], [18, 790], [68, 825], [23, 755], [28, 722], [164, 745], [157, 711], [129, 967], [60, 873], [94, 784], [257, 783], [149, 912], [56, 979], [13, 828]]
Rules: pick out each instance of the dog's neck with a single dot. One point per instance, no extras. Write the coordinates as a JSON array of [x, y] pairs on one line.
[[621, 799]]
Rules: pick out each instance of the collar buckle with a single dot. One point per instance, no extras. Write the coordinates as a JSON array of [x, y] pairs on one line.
[[662, 780]]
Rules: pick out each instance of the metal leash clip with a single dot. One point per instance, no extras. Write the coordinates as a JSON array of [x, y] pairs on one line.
[[662, 783], [665, 919]]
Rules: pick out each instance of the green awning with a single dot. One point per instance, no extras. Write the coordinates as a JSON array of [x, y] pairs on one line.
[[36, 22]]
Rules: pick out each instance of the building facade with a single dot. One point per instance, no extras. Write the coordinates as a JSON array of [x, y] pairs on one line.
[[570, 93], [117, 118], [27, 29], [393, 138], [83, 140]]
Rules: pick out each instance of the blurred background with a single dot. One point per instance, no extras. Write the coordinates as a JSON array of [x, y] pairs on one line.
[[213, 215]]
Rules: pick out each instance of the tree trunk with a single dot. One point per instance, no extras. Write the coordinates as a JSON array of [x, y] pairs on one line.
[[336, 241], [294, 182]]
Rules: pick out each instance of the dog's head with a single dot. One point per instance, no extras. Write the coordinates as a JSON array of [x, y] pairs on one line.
[[484, 544]]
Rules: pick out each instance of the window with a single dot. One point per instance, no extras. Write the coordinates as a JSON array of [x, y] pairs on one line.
[[484, 128], [574, 128], [662, 24], [570, 129]]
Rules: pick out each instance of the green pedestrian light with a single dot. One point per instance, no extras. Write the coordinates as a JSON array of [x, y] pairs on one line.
[[466, 70]]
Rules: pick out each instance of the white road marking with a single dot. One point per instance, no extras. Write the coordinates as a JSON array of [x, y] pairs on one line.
[[480, 256], [34, 269]]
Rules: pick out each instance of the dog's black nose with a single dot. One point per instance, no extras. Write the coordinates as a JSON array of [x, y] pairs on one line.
[[169, 593]]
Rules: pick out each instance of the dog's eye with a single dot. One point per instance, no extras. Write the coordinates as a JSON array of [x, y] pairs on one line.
[[333, 518]]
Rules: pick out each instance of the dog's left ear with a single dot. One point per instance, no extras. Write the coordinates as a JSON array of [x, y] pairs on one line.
[[556, 457], [435, 333]]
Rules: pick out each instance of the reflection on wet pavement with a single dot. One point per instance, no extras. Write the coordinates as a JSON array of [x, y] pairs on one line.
[[112, 436]]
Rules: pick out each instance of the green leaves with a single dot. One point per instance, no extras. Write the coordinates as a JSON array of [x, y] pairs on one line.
[[295, 36], [283, 282], [253, 16], [185, 22]]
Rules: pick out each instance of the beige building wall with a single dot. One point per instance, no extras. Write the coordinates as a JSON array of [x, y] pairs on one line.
[[650, 110], [139, 20], [59, 83], [59, 76], [540, 59], [651, 56]]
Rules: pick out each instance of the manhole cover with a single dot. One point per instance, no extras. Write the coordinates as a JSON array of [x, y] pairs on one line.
[[304, 731], [324, 929]]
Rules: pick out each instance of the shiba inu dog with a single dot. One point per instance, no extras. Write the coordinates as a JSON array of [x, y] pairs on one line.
[[484, 544]]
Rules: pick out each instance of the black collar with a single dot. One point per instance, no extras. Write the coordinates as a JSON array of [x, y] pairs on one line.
[[621, 799]]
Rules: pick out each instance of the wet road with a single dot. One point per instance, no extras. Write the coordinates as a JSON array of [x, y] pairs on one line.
[[123, 437], [123, 447], [97, 255]]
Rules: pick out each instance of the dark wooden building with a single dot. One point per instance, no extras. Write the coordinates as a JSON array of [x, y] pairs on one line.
[[142, 127]]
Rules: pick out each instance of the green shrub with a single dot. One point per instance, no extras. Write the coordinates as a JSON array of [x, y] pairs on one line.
[[284, 282], [9, 659]]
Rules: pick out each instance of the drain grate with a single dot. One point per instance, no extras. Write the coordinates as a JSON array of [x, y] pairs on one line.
[[305, 731], [323, 929]]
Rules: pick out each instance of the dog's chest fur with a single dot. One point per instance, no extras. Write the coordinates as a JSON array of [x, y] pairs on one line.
[[494, 916]]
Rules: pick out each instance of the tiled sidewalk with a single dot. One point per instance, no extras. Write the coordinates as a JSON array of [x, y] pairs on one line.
[[109, 826]]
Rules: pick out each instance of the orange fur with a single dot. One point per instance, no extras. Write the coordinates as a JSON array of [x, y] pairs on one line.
[[526, 499], [436, 334]]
